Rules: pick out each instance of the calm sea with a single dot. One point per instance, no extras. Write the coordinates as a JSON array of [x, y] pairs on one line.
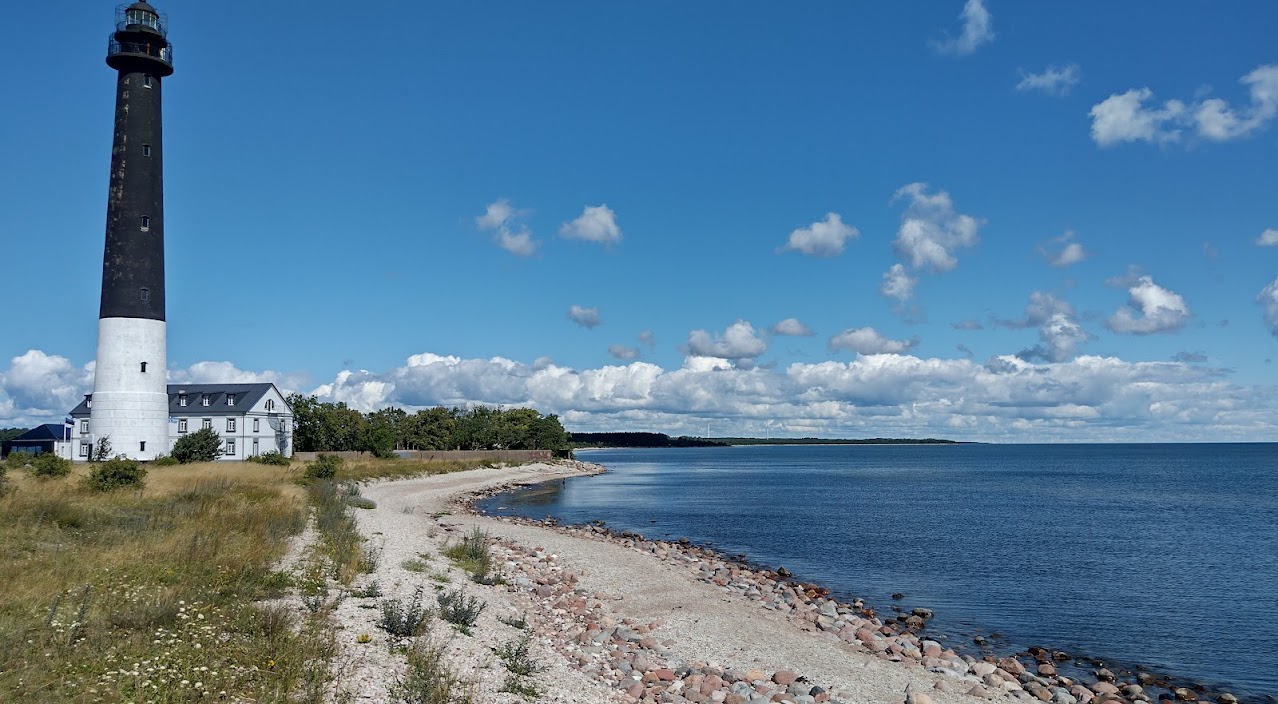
[[1158, 556]]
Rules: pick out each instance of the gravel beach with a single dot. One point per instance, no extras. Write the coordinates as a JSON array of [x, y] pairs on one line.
[[622, 619]]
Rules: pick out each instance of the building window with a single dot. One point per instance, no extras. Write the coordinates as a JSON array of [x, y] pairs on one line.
[[230, 447], [182, 400], [146, 81], [207, 424], [255, 446], [181, 425], [204, 399], [146, 150], [270, 405], [88, 401], [145, 294], [142, 446], [230, 425], [230, 399], [84, 426], [146, 223], [144, 367], [84, 449], [256, 424]]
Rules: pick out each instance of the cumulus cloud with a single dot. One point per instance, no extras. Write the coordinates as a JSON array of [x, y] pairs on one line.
[[1063, 251], [1150, 309], [1088, 398], [1268, 238], [931, 230], [868, 341], [622, 352], [502, 219], [1268, 299], [585, 317], [977, 30], [824, 238], [228, 373], [1054, 80], [739, 342], [898, 284], [1125, 117], [1059, 332], [792, 326], [597, 223]]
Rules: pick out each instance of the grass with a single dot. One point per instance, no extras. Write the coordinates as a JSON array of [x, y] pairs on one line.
[[472, 554], [373, 468], [151, 593]]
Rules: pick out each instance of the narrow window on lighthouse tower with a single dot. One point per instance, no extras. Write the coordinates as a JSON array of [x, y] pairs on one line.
[[142, 446], [145, 294], [144, 367], [146, 223], [146, 81], [146, 150]]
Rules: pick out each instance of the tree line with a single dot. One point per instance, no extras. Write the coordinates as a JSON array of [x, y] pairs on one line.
[[335, 427]]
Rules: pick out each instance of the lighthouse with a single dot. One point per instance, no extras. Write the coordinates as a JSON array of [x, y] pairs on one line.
[[130, 404]]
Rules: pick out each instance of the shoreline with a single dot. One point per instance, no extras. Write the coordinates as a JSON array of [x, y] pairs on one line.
[[1042, 673]]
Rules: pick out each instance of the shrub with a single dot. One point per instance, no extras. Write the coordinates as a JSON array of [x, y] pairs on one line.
[[517, 659], [429, 680], [460, 610], [405, 620], [204, 445], [274, 457], [165, 461], [115, 474], [324, 467], [102, 450], [47, 465]]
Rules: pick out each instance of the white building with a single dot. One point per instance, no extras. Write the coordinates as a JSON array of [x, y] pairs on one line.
[[252, 419]]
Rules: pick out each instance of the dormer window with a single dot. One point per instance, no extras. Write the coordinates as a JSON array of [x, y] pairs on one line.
[[88, 402], [230, 399], [182, 400], [204, 399]]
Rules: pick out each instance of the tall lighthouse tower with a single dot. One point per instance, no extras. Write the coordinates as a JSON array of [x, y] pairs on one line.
[[130, 404]]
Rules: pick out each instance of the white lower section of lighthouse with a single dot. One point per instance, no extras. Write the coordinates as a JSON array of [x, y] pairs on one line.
[[130, 404]]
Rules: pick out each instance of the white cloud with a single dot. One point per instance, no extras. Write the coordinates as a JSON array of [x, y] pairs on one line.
[[823, 238], [898, 284], [1124, 117], [646, 338], [792, 327], [738, 342], [931, 230], [623, 353], [1268, 238], [968, 324], [1063, 251], [502, 219], [1268, 298], [1097, 399], [597, 223], [228, 373], [585, 317], [977, 30], [1218, 121], [1151, 309], [1054, 80], [1059, 332], [869, 341]]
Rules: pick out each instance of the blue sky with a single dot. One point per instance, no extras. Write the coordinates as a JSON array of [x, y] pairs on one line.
[[992, 221]]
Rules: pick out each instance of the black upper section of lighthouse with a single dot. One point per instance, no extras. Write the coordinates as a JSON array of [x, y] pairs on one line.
[[133, 264]]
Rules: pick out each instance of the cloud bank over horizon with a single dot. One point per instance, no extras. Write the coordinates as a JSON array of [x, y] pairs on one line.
[[1006, 398]]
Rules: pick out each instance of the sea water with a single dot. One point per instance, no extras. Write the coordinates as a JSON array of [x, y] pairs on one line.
[[1163, 557]]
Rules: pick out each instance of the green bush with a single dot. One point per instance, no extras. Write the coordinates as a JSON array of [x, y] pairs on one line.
[[460, 610], [274, 457], [165, 461], [324, 467], [117, 473], [204, 445], [47, 465]]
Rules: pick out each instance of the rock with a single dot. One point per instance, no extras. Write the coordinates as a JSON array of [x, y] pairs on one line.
[[912, 697], [1104, 688], [783, 572], [664, 674], [754, 676], [784, 678], [1185, 694], [1227, 698], [982, 668], [1060, 656], [923, 613], [1046, 670], [1104, 675]]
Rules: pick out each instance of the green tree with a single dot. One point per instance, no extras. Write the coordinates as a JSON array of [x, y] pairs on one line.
[[204, 445], [431, 429], [549, 434], [102, 450]]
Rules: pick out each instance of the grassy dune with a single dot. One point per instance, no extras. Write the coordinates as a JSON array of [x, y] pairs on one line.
[[152, 595]]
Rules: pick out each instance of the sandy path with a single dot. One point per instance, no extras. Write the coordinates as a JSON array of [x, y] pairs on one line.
[[704, 622]]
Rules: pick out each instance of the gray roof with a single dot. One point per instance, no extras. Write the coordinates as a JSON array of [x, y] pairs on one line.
[[246, 395]]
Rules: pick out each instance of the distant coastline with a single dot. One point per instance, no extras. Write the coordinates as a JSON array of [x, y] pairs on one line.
[[586, 441]]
